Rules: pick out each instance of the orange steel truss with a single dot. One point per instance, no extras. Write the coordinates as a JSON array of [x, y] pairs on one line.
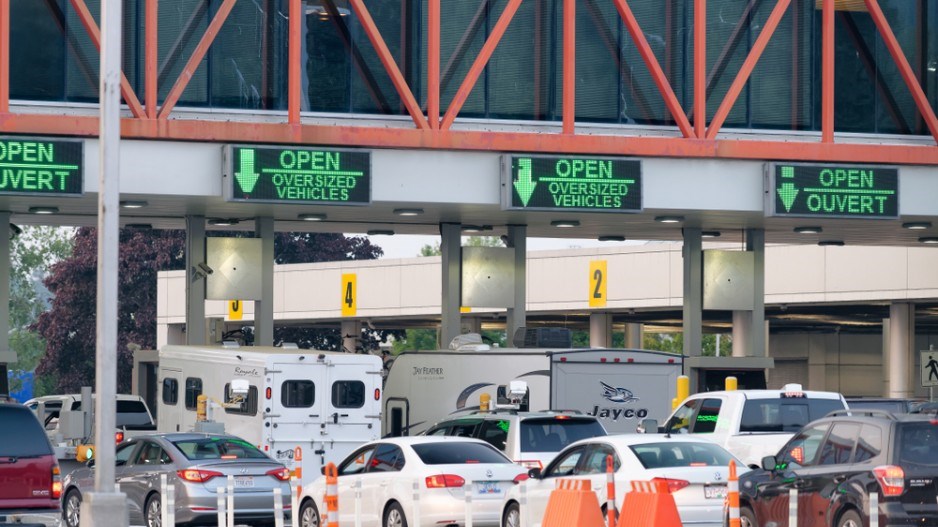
[[430, 130]]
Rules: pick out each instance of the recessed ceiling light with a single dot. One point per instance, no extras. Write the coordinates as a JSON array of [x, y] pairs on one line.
[[928, 239], [808, 230], [669, 219], [43, 210], [710, 234], [312, 217], [917, 225], [565, 224], [611, 238], [408, 212], [223, 222], [380, 232], [133, 204], [831, 243]]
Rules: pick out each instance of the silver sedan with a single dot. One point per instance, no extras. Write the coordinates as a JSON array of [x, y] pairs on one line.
[[196, 465]]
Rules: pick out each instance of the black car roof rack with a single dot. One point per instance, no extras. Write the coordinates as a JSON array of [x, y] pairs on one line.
[[863, 412]]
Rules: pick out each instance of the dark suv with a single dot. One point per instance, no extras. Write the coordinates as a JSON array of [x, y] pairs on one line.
[[838, 461], [29, 473]]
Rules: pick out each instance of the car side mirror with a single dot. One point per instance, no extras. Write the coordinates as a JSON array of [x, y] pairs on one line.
[[534, 473], [769, 463]]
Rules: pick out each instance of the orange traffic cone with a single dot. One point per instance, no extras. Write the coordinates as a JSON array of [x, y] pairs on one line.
[[573, 502], [649, 503]]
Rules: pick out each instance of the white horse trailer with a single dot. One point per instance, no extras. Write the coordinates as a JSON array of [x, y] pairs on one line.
[[317, 405]]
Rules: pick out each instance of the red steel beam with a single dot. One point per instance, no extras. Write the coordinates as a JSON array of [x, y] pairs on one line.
[[293, 68], [397, 79], [150, 57], [746, 70], [433, 63], [388, 137], [670, 100], [569, 66], [197, 55], [4, 56], [827, 72], [700, 67], [921, 101], [484, 55], [95, 34]]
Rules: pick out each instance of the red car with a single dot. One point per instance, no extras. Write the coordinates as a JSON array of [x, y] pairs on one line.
[[30, 481]]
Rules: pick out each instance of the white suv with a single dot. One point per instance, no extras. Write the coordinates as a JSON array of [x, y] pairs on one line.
[[530, 439], [751, 424]]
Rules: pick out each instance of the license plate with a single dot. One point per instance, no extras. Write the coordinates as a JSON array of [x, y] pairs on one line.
[[715, 491], [244, 482], [488, 488]]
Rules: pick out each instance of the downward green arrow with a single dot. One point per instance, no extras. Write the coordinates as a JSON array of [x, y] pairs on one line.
[[247, 178], [525, 185], [788, 192]]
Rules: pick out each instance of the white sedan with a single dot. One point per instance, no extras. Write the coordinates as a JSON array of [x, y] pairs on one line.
[[440, 471], [695, 470]]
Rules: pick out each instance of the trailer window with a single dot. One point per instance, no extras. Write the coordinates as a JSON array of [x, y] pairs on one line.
[[247, 407], [193, 391], [297, 394], [348, 394], [170, 391]]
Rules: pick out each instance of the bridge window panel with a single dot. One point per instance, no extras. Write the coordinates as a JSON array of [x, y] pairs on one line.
[[325, 61], [464, 26], [375, 93], [598, 38], [519, 72], [730, 32], [896, 112], [248, 70], [182, 23], [37, 52]]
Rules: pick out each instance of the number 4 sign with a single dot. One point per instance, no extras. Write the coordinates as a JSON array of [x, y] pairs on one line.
[[349, 295]]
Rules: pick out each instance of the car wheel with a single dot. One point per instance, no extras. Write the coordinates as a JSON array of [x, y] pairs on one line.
[[850, 519], [309, 515], [512, 516], [153, 510], [747, 518], [394, 516], [71, 508]]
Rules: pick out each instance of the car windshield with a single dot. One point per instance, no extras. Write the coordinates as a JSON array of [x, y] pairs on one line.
[[918, 443], [785, 414], [551, 434], [670, 454], [458, 453], [21, 435], [218, 448]]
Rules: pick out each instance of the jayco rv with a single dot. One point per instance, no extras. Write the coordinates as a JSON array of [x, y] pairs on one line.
[[619, 386], [317, 405]]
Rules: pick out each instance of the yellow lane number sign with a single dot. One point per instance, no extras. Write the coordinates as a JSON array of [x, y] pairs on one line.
[[349, 295], [597, 283]]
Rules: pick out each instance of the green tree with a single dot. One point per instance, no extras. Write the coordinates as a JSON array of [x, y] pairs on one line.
[[467, 241], [674, 343]]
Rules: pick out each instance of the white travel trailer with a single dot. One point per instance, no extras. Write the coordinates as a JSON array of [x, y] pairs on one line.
[[619, 386], [317, 405]]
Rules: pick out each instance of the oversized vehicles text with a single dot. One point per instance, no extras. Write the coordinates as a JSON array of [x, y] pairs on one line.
[[619, 386], [304, 408]]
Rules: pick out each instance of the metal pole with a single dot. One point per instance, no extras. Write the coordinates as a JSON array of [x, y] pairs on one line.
[[164, 510], [105, 506], [229, 508], [278, 507], [220, 505]]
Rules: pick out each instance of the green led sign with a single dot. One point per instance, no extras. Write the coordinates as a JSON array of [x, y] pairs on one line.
[[298, 175], [571, 183], [838, 191], [40, 166]]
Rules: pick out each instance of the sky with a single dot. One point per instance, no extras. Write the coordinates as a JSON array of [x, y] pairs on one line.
[[408, 246]]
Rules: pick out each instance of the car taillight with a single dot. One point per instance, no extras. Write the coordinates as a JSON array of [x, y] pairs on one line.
[[891, 479], [674, 485], [56, 482], [281, 474], [197, 475], [443, 481], [521, 477], [529, 463], [118, 437]]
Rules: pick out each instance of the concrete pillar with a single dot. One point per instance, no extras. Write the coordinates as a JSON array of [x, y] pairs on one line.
[[7, 356], [634, 335], [901, 338], [600, 330], [264, 308], [748, 326], [517, 316], [472, 325], [351, 335], [450, 267], [693, 292], [195, 283], [742, 327]]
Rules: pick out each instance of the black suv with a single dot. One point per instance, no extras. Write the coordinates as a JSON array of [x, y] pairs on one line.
[[838, 461]]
